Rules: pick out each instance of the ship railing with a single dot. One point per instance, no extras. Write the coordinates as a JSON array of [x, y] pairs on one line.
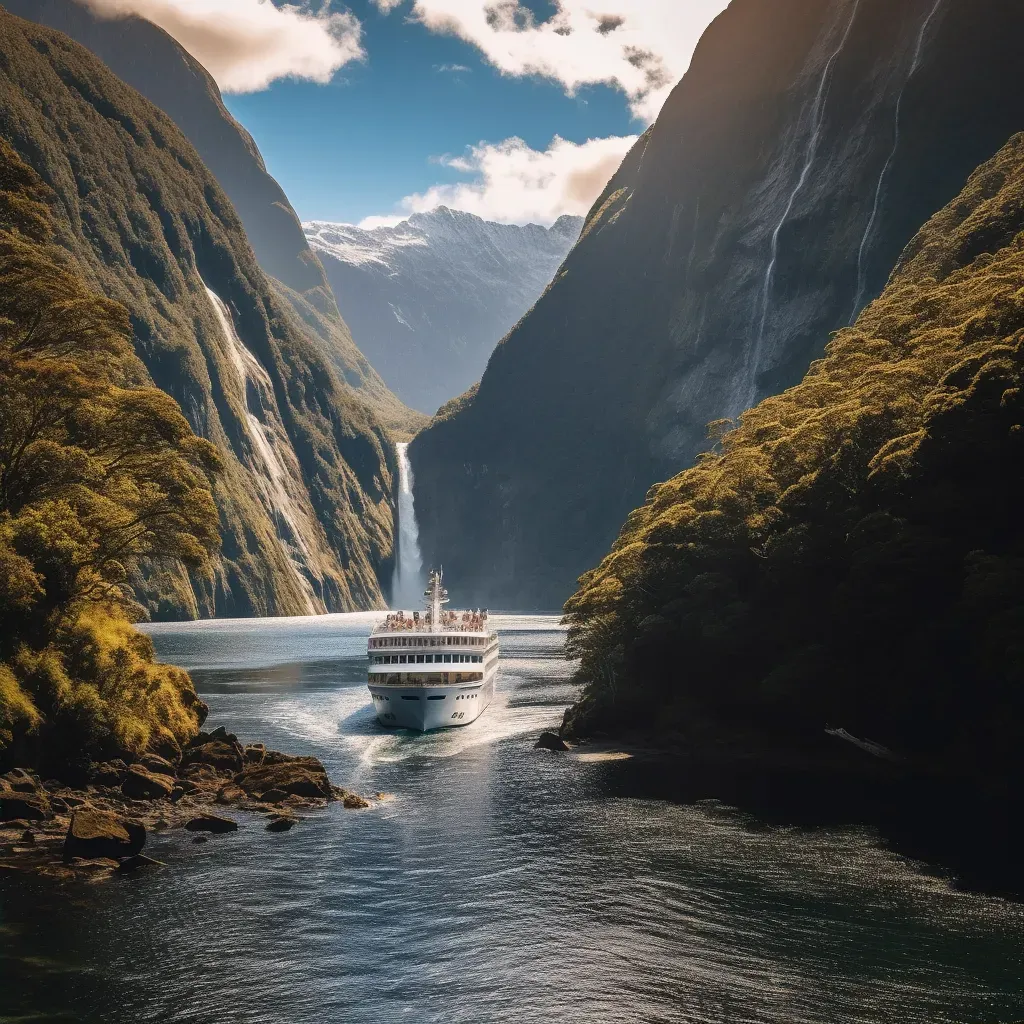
[[413, 626]]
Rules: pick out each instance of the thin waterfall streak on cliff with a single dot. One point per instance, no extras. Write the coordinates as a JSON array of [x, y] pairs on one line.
[[862, 274], [817, 119], [408, 582], [273, 479], [693, 247]]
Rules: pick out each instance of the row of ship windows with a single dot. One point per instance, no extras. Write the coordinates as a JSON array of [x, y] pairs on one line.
[[428, 659], [415, 678], [435, 641], [441, 696]]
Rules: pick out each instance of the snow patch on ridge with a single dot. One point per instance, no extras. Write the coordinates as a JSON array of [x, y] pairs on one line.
[[441, 229]]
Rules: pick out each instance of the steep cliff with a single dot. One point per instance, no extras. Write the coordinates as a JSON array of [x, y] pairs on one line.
[[153, 63], [305, 498], [852, 555], [430, 297], [785, 174]]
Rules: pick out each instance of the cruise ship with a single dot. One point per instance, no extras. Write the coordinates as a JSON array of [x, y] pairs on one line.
[[433, 669]]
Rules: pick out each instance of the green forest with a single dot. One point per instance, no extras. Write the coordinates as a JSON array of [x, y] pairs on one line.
[[849, 554], [97, 472]]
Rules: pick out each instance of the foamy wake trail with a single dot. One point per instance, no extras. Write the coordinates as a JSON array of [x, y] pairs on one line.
[[502, 720]]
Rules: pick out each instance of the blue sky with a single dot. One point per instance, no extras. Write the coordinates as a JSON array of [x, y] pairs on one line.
[[517, 110], [357, 146]]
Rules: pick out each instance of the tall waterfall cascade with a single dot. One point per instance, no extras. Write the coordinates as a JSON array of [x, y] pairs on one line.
[[816, 120], [274, 464], [409, 580], [869, 231]]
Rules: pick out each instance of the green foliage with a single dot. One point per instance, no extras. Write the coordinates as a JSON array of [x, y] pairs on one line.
[[852, 553], [148, 226], [95, 474]]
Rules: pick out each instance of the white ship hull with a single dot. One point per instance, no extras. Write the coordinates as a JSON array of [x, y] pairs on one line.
[[424, 708], [432, 671]]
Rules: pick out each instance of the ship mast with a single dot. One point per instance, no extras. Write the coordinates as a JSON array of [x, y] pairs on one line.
[[437, 596]]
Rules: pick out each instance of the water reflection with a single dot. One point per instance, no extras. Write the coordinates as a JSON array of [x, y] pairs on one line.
[[501, 883]]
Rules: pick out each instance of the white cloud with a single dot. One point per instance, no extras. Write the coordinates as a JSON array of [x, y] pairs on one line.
[[642, 47], [515, 184], [247, 44]]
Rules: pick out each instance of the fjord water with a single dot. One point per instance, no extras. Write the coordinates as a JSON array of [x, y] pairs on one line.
[[496, 883]]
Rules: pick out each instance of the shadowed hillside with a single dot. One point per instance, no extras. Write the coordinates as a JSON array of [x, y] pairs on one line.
[[806, 144], [305, 497], [851, 555]]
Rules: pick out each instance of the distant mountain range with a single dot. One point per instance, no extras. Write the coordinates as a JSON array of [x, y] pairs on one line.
[[429, 298]]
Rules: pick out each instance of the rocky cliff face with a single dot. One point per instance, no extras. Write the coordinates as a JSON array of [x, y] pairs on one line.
[[848, 560], [306, 497], [429, 298], [153, 63], [787, 171]]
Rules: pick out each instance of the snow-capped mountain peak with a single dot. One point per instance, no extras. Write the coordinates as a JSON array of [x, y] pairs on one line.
[[428, 298]]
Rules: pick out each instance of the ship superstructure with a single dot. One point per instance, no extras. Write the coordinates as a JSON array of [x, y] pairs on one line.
[[432, 669]]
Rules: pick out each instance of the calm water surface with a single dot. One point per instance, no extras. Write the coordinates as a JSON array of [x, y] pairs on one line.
[[498, 883]]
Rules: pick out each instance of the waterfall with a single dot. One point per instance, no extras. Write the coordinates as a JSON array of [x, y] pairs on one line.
[[817, 119], [278, 468], [862, 274], [409, 582]]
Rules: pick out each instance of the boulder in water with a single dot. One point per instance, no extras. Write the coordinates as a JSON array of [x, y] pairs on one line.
[[140, 784], [26, 806], [211, 823], [19, 781], [217, 753], [157, 764], [551, 741], [254, 754], [280, 824], [92, 833], [272, 796], [300, 776]]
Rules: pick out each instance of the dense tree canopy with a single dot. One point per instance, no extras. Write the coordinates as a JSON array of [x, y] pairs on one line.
[[852, 553], [95, 474]]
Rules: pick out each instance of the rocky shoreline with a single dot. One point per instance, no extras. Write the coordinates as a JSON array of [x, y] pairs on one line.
[[100, 829]]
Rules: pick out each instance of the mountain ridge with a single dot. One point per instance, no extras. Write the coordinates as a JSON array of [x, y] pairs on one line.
[[725, 250], [151, 61], [431, 296], [151, 228]]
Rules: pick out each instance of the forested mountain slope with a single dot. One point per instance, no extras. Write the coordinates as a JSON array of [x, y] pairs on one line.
[[852, 555], [429, 298], [805, 146], [305, 497], [97, 469], [151, 61]]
